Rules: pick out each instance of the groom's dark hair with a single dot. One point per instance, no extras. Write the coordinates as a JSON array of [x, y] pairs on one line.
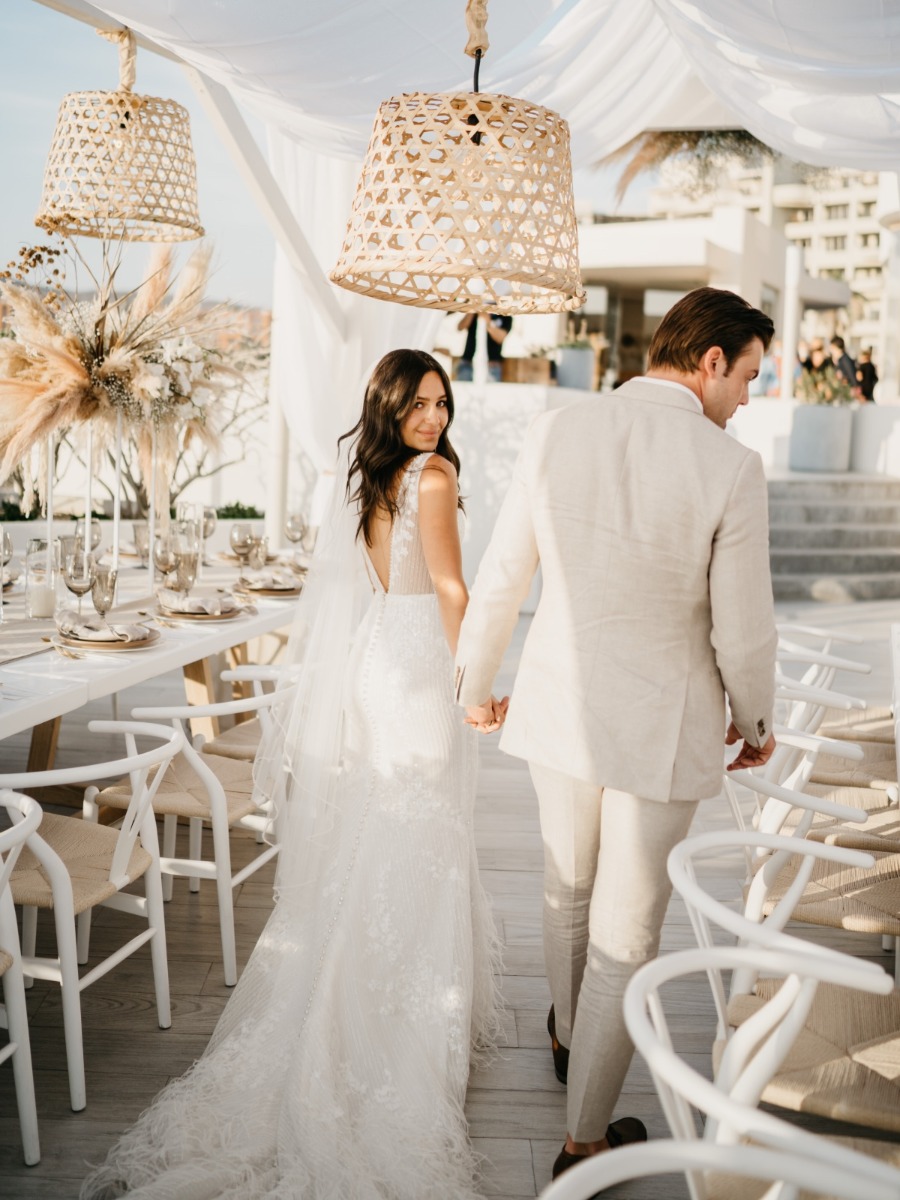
[[702, 319]]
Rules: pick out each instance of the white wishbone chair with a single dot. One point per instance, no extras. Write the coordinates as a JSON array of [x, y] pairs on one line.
[[846, 1040], [72, 866], [205, 789], [26, 816], [780, 1174], [754, 1054]]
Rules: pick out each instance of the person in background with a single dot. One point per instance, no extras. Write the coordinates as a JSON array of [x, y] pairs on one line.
[[497, 329], [843, 363], [866, 376]]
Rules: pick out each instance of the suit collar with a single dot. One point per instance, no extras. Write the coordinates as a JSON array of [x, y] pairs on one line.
[[657, 392]]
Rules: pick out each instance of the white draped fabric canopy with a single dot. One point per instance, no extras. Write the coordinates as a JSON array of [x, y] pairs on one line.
[[816, 79]]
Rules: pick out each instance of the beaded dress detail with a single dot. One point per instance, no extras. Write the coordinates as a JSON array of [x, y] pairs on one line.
[[338, 1069]]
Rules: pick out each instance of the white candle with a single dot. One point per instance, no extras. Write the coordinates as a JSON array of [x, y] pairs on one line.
[[88, 505], [117, 498], [151, 525], [49, 503], [41, 601]]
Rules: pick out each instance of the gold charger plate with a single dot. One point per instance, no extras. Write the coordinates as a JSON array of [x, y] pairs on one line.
[[271, 593], [175, 615], [153, 636], [234, 561]]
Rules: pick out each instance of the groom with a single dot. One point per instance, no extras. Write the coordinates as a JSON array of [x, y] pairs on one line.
[[649, 523]]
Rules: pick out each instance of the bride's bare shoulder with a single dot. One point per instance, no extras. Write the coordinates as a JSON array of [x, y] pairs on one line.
[[434, 468]]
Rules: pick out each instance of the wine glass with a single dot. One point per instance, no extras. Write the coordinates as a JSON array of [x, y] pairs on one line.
[[164, 556], [258, 553], [241, 539], [103, 590], [185, 539], [295, 530], [210, 518], [5, 556], [79, 572], [96, 534]]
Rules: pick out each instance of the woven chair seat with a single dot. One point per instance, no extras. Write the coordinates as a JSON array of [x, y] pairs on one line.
[[87, 851], [730, 1187], [5, 962], [867, 725], [845, 1063], [878, 768], [241, 742], [841, 897], [183, 794], [880, 831]]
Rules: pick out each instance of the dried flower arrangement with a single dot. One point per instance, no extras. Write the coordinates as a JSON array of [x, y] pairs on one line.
[[824, 385], [147, 355], [700, 160]]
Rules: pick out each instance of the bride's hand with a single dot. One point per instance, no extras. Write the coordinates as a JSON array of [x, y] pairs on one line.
[[487, 717]]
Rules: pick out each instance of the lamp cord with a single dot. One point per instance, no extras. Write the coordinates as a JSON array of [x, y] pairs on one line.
[[478, 56]]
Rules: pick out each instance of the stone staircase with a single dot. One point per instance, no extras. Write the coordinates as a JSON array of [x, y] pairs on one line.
[[835, 537]]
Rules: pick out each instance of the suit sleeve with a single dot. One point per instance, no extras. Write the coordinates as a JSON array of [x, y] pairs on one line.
[[740, 590], [501, 585]]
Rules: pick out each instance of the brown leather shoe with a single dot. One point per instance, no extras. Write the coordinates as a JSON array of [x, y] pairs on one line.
[[623, 1132], [560, 1053]]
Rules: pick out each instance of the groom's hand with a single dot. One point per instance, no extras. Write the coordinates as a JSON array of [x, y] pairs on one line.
[[489, 716], [748, 756]]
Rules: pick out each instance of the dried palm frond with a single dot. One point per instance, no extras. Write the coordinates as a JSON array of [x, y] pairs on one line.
[[705, 152]]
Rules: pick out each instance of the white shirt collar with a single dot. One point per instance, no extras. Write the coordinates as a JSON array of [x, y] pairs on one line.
[[669, 383]]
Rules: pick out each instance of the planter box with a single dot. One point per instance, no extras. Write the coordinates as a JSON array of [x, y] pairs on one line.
[[820, 438], [575, 368], [526, 370]]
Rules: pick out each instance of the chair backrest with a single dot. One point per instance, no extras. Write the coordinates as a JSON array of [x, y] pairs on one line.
[[25, 814], [751, 1058], [137, 765], [794, 1171], [705, 910]]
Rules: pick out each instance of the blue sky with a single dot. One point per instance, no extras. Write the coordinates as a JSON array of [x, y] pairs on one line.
[[46, 55]]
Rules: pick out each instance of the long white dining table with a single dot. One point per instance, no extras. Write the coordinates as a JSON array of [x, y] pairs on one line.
[[42, 686]]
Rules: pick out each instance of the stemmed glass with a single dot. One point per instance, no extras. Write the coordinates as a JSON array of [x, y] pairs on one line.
[[185, 539], [298, 529], [164, 556], [103, 590], [79, 572], [5, 556], [241, 539], [210, 517], [96, 534]]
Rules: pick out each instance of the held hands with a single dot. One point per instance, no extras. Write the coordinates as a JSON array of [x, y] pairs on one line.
[[487, 717], [748, 756]]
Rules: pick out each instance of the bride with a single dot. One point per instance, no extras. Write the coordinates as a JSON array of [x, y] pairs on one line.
[[338, 1069]]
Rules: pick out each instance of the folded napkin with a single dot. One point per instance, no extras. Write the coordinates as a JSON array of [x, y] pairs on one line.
[[277, 580], [10, 574], [213, 606], [93, 629]]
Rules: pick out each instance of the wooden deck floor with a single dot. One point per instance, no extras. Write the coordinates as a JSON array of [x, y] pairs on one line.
[[516, 1108]]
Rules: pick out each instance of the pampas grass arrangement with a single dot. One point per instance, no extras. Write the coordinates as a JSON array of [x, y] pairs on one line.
[[148, 354]]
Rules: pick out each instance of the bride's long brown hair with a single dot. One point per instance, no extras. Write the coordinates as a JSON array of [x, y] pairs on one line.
[[379, 452]]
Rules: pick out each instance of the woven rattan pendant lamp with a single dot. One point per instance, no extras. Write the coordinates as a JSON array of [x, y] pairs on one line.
[[465, 203], [121, 165]]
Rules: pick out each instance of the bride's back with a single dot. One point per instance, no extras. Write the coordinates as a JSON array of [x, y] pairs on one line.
[[395, 552]]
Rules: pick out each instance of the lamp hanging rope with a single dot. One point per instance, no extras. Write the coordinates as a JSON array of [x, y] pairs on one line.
[[465, 203], [121, 165]]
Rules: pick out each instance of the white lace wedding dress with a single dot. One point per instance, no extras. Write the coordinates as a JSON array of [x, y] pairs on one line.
[[338, 1069]]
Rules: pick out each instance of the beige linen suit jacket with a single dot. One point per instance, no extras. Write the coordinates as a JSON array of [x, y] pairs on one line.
[[650, 525]]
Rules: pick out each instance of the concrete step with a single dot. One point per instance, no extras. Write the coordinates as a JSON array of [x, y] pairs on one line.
[[832, 537], [833, 488], [800, 561], [797, 512], [836, 589]]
